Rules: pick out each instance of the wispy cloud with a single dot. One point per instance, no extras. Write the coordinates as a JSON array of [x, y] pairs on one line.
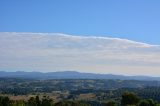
[[57, 52]]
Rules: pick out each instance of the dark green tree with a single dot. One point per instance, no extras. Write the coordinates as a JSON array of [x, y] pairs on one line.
[[32, 102], [151, 102], [70, 103], [129, 98], [144, 103], [38, 102], [110, 103], [4, 101], [46, 101]]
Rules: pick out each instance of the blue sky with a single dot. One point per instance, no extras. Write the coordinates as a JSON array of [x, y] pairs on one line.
[[137, 20]]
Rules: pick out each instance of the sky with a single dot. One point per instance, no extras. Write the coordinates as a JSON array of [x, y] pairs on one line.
[[136, 20], [96, 36]]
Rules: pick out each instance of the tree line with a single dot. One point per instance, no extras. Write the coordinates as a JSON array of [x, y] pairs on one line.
[[127, 99]]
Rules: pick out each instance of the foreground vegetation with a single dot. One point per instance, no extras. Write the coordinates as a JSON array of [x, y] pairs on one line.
[[127, 99], [79, 92]]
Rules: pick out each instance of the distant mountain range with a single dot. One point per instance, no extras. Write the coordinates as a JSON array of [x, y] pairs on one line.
[[71, 75]]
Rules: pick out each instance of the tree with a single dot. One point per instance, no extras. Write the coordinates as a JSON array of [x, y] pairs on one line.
[[32, 102], [70, 103], [4, 101], [129, 99], [46, 101], [151, 102], [110, 103], [38, 102], [144, 103]]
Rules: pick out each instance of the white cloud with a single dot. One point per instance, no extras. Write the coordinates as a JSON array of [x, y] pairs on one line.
[[55, 51]]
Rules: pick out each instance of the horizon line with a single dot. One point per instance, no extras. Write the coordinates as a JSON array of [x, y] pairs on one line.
[[82, 72]]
